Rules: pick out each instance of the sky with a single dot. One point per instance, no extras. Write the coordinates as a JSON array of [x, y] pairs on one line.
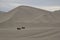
[[50, 5]]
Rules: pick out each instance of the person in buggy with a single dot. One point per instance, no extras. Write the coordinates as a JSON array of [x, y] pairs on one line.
[[23, 27]]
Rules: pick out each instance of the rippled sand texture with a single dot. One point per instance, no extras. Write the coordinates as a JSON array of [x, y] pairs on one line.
[[41, 33]]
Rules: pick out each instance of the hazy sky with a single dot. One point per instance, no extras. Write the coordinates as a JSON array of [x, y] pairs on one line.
[[51, 5]]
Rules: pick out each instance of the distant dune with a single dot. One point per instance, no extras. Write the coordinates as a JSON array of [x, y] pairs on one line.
[[25, 15], [2, 12], [57, 13]]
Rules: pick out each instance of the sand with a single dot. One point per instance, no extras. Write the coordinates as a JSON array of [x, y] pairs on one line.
[[40, 24], [38, 33]]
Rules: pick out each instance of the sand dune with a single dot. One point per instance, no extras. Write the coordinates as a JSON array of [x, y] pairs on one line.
[[25, 16], [57, 14], [22, 14], [40, 24]]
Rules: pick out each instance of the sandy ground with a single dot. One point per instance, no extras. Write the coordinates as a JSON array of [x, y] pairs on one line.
[[37, 33], [25, 14]]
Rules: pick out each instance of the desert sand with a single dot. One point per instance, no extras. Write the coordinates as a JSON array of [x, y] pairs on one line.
[[39, 24]]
